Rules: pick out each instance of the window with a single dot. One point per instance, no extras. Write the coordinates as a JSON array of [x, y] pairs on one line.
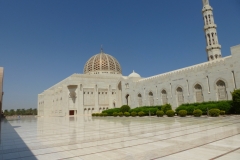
[[221, 89], [198, 93]]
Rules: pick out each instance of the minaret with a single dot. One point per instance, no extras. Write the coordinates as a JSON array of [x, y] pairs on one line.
[[210, 28]]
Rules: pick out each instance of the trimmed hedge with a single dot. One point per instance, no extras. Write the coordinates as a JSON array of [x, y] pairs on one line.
[[182, 113], [221, 105], [115, 114], [111, 111], [160, 113], [214, 112], [133, 114], [222, 112], [197, 113], [120, 114], [166, 107], [104, 114], [170, 113], [126, 114], [125, 108], [141, 114]]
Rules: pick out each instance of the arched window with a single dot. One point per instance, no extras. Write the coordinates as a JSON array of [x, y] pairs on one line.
[[180, 97], [127, 99], [151, 100], [211, 57], [198, 93], [221, 89], [139, 100], [213, 38], [164, 97], [216, 56], [206, 20], [209, 19]]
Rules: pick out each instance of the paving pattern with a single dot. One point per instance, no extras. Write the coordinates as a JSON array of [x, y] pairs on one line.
[[121, 138]]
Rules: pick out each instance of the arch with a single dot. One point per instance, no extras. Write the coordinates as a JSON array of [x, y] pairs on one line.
[[164, 97], [180, 98], [218, 79], [221, 90], [151, 98], [211, 57], [198, 93], [127, 97], [139, 100]]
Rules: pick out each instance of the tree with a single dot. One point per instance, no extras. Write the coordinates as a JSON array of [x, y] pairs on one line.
[[6, 113], [11, 112], [35, 111], [18, 112], [236, 101], [23, 111]]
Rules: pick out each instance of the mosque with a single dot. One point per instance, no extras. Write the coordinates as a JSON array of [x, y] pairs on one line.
[[102, 85]]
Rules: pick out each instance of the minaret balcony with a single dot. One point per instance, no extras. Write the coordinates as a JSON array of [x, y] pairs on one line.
[[210, 26], [215, 46]]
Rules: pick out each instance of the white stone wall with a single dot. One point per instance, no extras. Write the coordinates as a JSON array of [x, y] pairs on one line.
[[95, 93], [205, 74]]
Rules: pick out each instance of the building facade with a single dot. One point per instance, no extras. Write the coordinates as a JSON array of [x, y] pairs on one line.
[[102, 85]]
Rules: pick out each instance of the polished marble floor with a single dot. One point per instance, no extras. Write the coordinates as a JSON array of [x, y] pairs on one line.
[[121, 138]]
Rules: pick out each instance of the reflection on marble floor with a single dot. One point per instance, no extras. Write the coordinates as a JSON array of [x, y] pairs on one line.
[[120, 138]]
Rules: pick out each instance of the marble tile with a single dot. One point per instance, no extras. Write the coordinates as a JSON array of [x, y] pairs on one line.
[[110, 138]]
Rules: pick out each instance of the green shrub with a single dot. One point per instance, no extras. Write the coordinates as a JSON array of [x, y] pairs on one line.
[[166, 107], [141, 114], [126, 114], [236, 101], [97, 114], [197, 113], [104, 114], [93, 114], [146, 109], [160, 113], [204, 106], [124, 108], [214, 112], [111, 111], [222, 112], [115, 114], [182, 113], [120, 114], [133, 114], [170, 113]]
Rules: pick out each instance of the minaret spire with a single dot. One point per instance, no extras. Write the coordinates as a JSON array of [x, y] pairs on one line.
[[210, 28]]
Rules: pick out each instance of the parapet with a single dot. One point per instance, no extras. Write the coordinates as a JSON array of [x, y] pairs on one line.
[[235, 49]]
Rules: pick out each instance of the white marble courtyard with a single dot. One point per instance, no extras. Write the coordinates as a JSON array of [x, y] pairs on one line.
[[107, 138]]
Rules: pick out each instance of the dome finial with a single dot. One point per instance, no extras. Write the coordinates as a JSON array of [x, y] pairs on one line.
[[101, 49]]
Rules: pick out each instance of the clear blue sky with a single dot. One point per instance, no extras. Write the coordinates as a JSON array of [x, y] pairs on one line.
[[44, 41]]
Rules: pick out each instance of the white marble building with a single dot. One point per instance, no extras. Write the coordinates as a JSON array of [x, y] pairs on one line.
[[102, 85]]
